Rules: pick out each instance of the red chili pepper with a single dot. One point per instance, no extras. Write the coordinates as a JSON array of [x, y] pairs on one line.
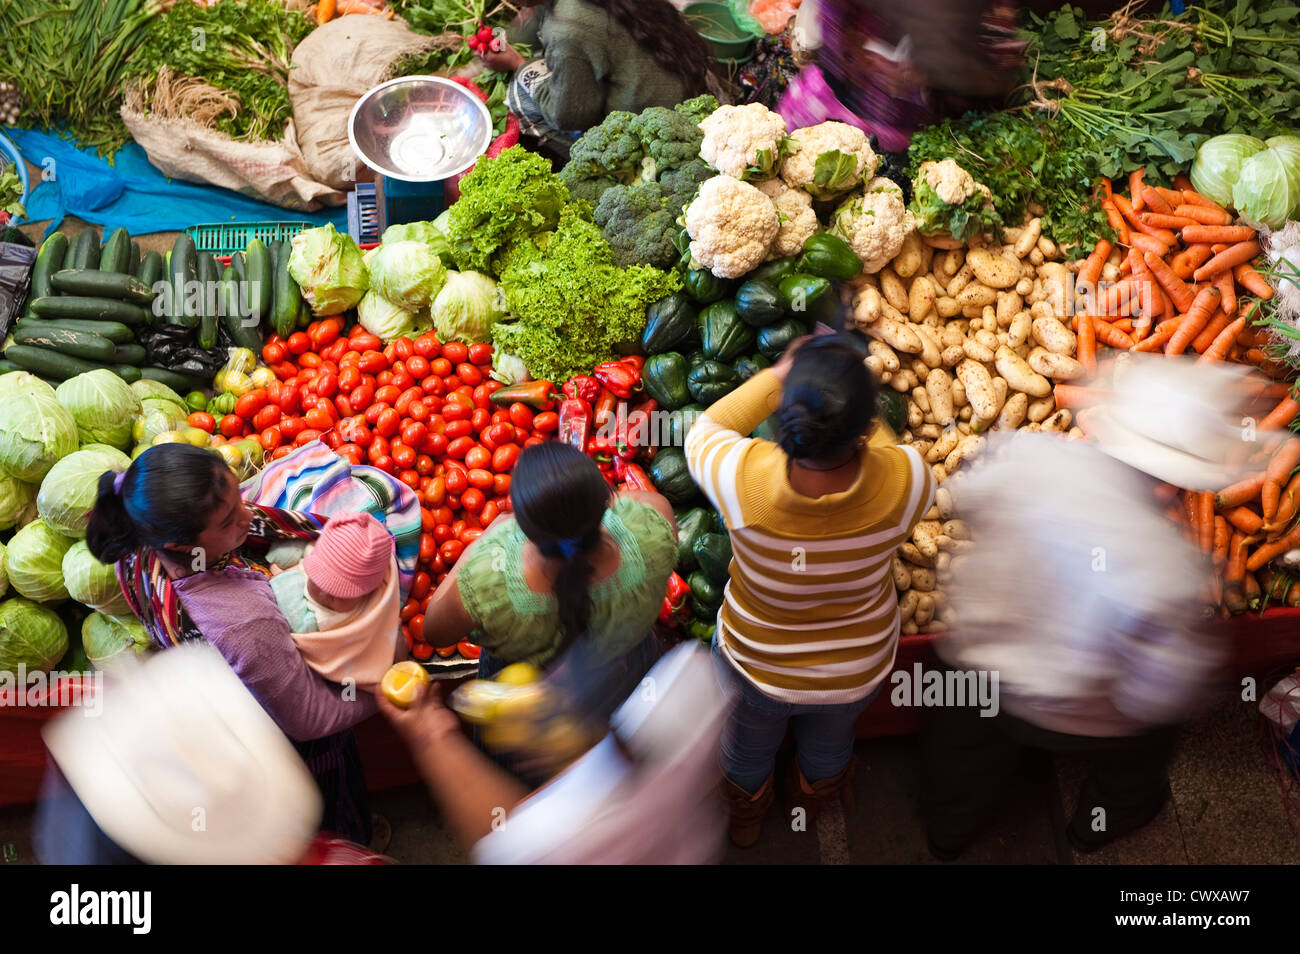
[[632, 475], [618, 377], [673, 609], [603, 409], [585, 387], [538, 395]]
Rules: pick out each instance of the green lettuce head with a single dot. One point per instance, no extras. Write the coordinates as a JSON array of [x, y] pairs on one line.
[[34, 561], [328, 268], [1218, 165], [111, 640], [144, 389], [4, 574], [408, 274], [13, 382], [68, 493], [426, 232], [386, 320], [1267, 191], [17, 502], [30, 635], [35, 431], [103, 405], [467, 307], [91, 582]]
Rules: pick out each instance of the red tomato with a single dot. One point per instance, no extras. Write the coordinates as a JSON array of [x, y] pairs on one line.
[[411, 478], [287, 398], [437, 445], [367, 342], [385, 377], [325, 333], [352, 453], [469, 374], [373, 411], [445, 652], [417, 367], [422, 651], [455, 352], [408, 396], [361, 397], [456, 482], [424, 464], [306, 436], [332, 439], [336, 351], [418, 411], [270, 438], [504, 457], [444, 515], [521, 435], [546, 422], [292, 426], [231, 426], [477, 458], [298, 343], [440, 366], [404, 347], [459, 447], [480, 354], [428, 546], [285, 370], [403, 380], [451, 381], [501, 484], [273, 352], [482, 479], [468, 649], [349, 378], [378, 447], [455, 411], [388, 394], [490, 511], [428, 346], [492, 386], [480, 419], [451, 551], [414, 433], [473, 500], [281, 452], [311, 360], [354, 431], [397, 366], [268, 415], [415, 628], [453, 501], [203, 421], [251, 403], [437, 492], [327, 384], [390, 352], [534, 441], [470, 535], [319, 418], [501, 417], [482, 397], [457, 429], [433, 385], [403, 456], [500, 434], [372, 362], [388, 423], [442, 533], [409, 609], [521, 415]]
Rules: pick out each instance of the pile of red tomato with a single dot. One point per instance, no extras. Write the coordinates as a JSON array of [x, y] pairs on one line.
[[420, 410]]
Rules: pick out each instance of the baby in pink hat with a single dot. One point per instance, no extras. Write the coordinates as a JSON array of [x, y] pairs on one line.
[[341, 601]]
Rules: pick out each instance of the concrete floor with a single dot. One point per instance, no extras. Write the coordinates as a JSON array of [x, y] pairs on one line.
[[1228, 807]]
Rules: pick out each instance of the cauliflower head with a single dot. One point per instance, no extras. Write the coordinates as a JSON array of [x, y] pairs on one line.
[[881, 184], [731, 225], [946, 198], [950, 182], [795, 213], [874, 225], [744, 142], [828, 159]]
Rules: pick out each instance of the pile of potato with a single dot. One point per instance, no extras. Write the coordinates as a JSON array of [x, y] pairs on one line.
[[976, 336]]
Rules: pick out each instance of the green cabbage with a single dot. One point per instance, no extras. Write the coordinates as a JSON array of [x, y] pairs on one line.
[[1267, 191], [426, 232], [34, 561], [1218, 164], [387, 321], [30, 635], [154, 421], [103, 405], [408, 274], [507, 369], [13, 382], [35, 431], [4, 574], [69, 490], [17, 502], [91, 582], [110, 640], [144, 388], [329, 270], [467, 307]]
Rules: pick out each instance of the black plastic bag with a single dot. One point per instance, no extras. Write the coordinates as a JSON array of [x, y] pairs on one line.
[[15, 278]]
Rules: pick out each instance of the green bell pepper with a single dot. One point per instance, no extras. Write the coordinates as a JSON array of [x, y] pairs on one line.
[[692, 524], [713, 554], [829, 256], [664, 377], [706, 596], [724, 335], [711, 381], [670, 475]]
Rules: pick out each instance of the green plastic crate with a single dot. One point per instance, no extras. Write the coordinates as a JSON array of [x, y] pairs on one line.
[[228, 239]]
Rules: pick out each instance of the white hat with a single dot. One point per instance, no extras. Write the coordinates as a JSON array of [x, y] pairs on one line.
[[183, 766], [1179, 421]]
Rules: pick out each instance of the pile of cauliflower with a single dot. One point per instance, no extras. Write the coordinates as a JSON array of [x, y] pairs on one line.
[[760, 205]]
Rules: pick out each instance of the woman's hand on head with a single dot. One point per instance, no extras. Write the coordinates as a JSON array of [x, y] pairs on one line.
[[426, 720], [782, 367]]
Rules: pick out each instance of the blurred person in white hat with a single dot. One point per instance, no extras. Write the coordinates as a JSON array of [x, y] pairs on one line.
[[1086, 601], [183, 766]]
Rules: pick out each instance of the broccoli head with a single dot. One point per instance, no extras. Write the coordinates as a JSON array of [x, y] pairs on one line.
[[613, 148], [639, 225], [698, 109], [681, 184], [585, 182], [670, 140]]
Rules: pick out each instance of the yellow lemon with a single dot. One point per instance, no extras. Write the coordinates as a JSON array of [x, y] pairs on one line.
[[401, 684], [507, 735], [519, 674], [477, 700], [525, 703]]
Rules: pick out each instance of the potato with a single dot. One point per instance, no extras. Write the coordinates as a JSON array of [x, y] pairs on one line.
[[1036, 257], [921, 446], [979, 425], [943, 446], [891, 286], [925, 535], [977, 323], [875, 366], [956, 529], [941, 240], [1033, 427], [907, 605], [1013, 411], [1028, 238], [931, 350], [1110, 273], [1024, 287], [921, 298], [977, 381], [897, 334], [919, 368], [976, 295], [1018, 333], [1059, 421], [951, 335], [960, 280], [932, 513], [963, 418], [1019, 375], [1054, 336], [931, 432], [938, 387], [1060, 367], [1009, 303], [1076, 433], [923, 580], [1048, 248], [912, 555], [1040, 410], [1042, 309], [888, 357], [959, 391], [943, 503], [977, 351], [903, 381], [953, 356], [923, 613], [939, 473], [992, 269], [902, 574], [947, 306], [915, 416], [921, 399], [927, 259], [866, 306], [908, 260], [967, 448]]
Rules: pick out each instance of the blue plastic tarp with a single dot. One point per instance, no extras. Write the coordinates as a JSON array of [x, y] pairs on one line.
[[134, 195]]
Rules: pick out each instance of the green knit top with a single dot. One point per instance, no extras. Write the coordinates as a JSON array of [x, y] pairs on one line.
[[518, 624]]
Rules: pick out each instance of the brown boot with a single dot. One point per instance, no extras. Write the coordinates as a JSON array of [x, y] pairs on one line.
[[747, 811], [813, 797]]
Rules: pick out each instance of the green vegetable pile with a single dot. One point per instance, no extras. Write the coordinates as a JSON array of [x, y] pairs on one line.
[[245, 53], [11, 190]]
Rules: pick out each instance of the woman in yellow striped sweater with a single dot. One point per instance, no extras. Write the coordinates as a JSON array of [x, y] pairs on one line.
[[809, 624]]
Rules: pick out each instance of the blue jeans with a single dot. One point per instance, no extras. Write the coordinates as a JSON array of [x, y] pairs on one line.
[[823, 735]]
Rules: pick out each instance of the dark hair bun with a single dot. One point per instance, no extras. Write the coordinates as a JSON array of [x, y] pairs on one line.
[[829, 399]]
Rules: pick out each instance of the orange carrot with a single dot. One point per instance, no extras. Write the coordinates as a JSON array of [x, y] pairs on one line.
[[1269, 496], [1222, 534], [1161, 221], [1156, 340], [1148, 243], [1287, 506], [1087, 353], [1252, 281], [1284, 461], [1179, 293], [1135, 188], [1205, 520], [1172, 197], [1104, 187], [1091, 270], [1228, 290], [325, 11], [1075, 396], [1156, 202], [1269, 551], [1238, 546], [1108, 334], [1242, 492], [1282, 415], [1149, 301], [1186, 262], [1229, 258], [1244, 519], [1192, 197], [1218, 348], [1210, 333], [1116, 221], [1112, 299], [1204, 215], [1131, 217], [1197, 317], [1124, 324], [1185, 184], [1192, 234]]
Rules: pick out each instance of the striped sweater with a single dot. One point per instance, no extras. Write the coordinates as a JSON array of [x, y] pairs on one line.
[[810, 615]]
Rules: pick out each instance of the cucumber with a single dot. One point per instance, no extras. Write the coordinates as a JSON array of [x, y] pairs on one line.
[[133, 263], [183, 273], [49, 364], [85, 250], [116, 253], [96, 284], [69, 254], [150, 271], [259, 275], [209, 303], [304, 313], [48, 260], [114, 331], [79, 344], [6, 366], [90, 309], [239, 325], [287, 299], [180, 383], [129, 354], [127, 372], [238, 263]]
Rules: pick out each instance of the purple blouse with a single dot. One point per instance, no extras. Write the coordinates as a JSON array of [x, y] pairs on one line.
[[237, 613]]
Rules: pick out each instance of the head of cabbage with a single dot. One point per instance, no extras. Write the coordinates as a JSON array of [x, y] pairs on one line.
[[35, 431], [1267, 191], [4, 574], [92, 583], [109, 640], [408, 274], [387, 321], [17, 502], [30, 635], [425, 232], [68, 493], [12, 382], [103, 405], [34, 562], [1218, 164], [467, 307], [144, 388], [328, 268]]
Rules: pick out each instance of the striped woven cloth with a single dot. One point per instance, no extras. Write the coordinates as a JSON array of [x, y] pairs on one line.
[[315, 480]]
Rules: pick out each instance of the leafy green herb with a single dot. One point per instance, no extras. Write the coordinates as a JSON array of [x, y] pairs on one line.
[[11, 190]]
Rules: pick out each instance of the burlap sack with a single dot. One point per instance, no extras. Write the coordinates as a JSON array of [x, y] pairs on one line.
[[332, 68]]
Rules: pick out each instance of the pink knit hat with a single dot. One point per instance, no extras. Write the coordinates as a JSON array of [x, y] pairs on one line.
[[351, 557]]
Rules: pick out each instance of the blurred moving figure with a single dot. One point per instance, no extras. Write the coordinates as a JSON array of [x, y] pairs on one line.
[[1086, 601], [183, 766]]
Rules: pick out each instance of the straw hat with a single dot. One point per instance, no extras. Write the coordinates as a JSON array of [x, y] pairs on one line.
[[183, 766]]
